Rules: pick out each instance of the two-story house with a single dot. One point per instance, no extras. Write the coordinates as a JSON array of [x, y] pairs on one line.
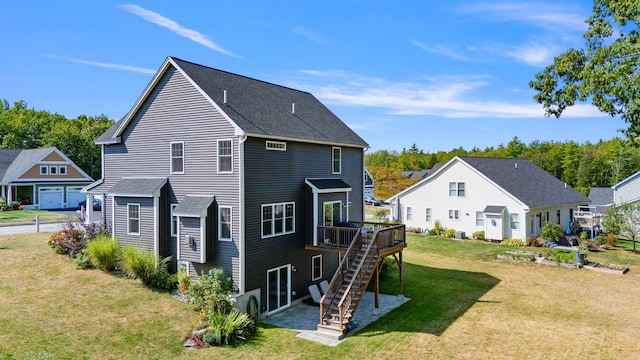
[[221, 170]]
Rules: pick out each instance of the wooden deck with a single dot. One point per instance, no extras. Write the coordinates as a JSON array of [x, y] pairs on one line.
[[334, 238]]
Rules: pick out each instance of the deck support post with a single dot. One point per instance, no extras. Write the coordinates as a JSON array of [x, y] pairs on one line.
[[377, 274]]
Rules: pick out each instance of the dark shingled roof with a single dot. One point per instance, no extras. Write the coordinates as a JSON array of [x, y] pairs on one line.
[[7, 156], [526, 181], [323, 184], [422, 174], [138, 187], [193, 206], [263, 109], [601, 196], [494, 209]]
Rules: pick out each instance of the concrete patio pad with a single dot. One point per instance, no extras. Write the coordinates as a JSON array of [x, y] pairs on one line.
[[304, 318]]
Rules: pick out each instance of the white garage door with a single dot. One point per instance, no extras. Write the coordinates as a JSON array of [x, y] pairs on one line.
[[51, 197], [74, 196]]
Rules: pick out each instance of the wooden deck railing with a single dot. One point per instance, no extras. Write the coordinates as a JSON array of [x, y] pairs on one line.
[[380, 236], [341, 237]]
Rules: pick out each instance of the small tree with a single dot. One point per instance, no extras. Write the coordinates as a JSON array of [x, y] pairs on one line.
[[630, 225], [611, 220]]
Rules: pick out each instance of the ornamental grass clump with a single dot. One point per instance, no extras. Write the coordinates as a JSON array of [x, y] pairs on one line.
[[143, 265], [104, 253]]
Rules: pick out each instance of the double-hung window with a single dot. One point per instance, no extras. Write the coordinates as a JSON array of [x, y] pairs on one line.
[[427, 216], [225, 156], [133, 219], [337, 160], [278, 219], [316, 264], [409, 213], [515, 221], [224, 223], [174, 221], [456, 189], [177, 157]]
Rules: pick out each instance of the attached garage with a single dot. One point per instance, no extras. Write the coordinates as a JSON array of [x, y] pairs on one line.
[[74, 196], [51, 197]]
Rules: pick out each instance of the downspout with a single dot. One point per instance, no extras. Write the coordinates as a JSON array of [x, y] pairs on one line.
[[242, 282]]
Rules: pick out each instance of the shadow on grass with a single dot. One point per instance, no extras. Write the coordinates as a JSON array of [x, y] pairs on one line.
[[438, 298]]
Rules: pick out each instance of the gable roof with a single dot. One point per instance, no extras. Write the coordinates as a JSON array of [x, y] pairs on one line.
[[601, 196], [256, 108], [525, 181], [193, 206], [14, 162]]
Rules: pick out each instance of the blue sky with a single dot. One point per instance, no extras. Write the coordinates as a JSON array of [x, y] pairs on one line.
[[440, 74]]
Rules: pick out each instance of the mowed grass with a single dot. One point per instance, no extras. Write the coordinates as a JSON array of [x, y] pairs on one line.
[[27, 216], [465, 304]]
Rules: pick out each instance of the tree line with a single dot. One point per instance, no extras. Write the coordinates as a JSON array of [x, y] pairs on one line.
[[23, 128], [580, 165]]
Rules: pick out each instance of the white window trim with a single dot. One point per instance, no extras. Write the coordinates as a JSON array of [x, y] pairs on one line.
[[457, 189], [333, 160], [129, 219], [218, 156], [455, 211], [273, 222], [60, 168], [480, 212], [53, 170], [276, 145], [171, 157], [44, 170], [409, 213], [174, 225], [313, 259], [428, 215], [220, 223], [511, 222]]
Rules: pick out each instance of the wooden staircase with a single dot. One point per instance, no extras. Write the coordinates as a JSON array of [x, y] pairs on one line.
[[348, 285]]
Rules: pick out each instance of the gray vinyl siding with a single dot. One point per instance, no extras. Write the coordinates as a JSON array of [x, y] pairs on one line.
[[145, 239], [279, 176], [190, 226], [175, 111]]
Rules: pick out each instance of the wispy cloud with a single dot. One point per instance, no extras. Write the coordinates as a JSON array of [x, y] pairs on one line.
[[101, 64], [311, 35], [160, 20], [442, 50], [533, 54], [557, 17], [443, 96]]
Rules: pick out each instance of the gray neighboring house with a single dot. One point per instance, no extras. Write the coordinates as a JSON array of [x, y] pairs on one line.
[[628, 190], [601, 199], [221, 170]]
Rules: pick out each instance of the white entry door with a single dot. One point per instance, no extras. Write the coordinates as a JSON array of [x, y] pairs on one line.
[[51, 197], [279, 288], [494, 228]]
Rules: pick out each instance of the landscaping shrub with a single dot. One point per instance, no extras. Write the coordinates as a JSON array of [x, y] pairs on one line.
[[15, 205], [227, 328], [184, 280], [478, 235], [433, 232], [141, 264], [612, 240], [449, 233], [3, 204], [83, 261], [551, 231], [601, 240], [513, 242], [536, 242], [93, 230], [438, 228], [211, 293], [566, 257], [104, 253], [70, 240], [584, 235]]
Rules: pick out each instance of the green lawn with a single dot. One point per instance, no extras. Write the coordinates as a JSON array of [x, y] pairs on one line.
[[465, 304], [27, 216]]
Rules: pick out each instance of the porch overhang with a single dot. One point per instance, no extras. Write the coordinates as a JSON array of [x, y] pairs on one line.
[[325, 186], [137, 187], [193, 206]]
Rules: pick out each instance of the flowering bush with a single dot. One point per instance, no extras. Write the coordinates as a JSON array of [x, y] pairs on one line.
[[70, 240]]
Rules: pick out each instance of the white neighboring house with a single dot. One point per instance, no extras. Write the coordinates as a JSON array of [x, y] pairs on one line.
[[505, 198], [627, 190]]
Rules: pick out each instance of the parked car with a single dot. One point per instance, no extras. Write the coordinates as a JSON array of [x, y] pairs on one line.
[[97, 204], [368, 200]]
